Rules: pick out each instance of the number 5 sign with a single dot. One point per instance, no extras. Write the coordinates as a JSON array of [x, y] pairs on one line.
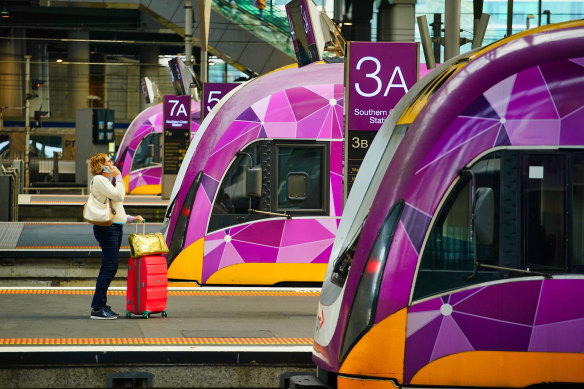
[[213, 93]]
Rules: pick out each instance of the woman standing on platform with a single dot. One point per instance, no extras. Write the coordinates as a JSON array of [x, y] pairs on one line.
[[109, 238]]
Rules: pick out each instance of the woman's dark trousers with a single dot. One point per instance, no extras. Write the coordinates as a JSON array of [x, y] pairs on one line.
[[110, 240]]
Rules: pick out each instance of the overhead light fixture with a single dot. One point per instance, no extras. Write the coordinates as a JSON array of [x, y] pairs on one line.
[[59, 60]]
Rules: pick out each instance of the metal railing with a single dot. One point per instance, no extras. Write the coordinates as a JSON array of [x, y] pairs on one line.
[[46, 174]]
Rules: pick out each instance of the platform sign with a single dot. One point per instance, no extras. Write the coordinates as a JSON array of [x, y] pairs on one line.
[[176, 114], [377, 76], [176, 144], [213, 93]]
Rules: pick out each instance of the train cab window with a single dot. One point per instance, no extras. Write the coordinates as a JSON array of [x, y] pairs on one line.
[[534, 225], [148, 152], [300, 178], [255, 188]]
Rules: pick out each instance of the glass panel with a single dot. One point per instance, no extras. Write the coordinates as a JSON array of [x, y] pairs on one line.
[[232, 204], [232, 195], [296, 161], [545, 207], [578, 213], [450, 243], [448, 257], [179, 233], [148, 152]]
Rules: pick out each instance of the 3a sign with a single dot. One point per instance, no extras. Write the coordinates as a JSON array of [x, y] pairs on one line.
[[379, 74]]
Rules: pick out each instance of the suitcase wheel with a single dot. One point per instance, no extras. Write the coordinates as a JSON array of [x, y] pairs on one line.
[[146, 315], [128, 316], [164, 314]]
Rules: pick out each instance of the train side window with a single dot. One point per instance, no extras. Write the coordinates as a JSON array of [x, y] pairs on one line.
[[544, 205], [538, 222], [232, 203], [301, 184], [449, 254], [148, 152]]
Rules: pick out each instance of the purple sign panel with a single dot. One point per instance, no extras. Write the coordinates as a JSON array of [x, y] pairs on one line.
[[379, 74], [302, 31], [213, 92], [177, 112]]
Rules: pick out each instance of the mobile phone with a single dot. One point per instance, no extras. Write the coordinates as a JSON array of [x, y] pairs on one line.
[[105, 170]]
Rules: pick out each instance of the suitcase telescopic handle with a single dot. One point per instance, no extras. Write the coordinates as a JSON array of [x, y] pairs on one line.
[[143, 225]]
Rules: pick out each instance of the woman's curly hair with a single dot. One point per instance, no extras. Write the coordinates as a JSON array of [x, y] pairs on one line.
[[96, 163]]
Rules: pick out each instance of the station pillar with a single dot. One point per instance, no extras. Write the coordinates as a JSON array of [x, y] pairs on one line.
[[78, 72]]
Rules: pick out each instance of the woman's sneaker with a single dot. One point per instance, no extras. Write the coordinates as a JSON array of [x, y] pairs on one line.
[[102, 314], [109, 309]]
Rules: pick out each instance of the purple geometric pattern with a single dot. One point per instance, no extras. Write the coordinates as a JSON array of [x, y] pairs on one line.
[[538, 316], [147, 121], [270, 241], [518, 111]]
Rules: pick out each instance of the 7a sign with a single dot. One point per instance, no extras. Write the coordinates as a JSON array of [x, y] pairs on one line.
[[176, 112]]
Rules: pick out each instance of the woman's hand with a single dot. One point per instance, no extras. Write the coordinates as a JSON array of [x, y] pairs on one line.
[[138, 219], [113, 171]]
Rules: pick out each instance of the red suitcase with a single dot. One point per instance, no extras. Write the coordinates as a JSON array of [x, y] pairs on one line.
[[147, 286]]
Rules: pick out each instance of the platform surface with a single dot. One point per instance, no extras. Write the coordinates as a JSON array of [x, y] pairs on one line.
[[42, 318]]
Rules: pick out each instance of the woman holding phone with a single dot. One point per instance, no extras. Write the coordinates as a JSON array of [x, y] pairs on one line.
[[110, 237]]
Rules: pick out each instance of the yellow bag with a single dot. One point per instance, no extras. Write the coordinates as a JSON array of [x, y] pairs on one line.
[[146, 244]]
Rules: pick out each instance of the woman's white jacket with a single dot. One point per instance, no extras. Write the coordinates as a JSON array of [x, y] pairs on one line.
[[103, 189]]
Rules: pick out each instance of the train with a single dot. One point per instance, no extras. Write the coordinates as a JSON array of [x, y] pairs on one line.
[[459, 258], [258, 197], [139, 156]]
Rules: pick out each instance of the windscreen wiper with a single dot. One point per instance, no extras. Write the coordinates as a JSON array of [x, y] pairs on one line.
[[477, 264]]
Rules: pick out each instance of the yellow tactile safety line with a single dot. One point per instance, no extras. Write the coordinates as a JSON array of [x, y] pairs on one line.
[[157, 341], [299, 293]]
